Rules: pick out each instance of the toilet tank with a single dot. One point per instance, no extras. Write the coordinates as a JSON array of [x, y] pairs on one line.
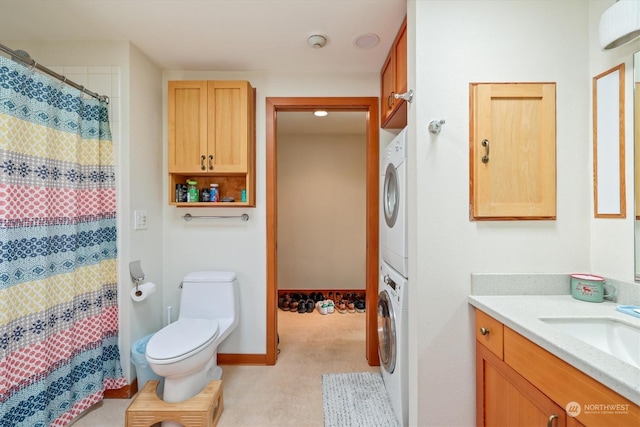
[[209, 295]]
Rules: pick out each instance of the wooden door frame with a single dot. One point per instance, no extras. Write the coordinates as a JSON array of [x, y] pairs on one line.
[[365, 104]]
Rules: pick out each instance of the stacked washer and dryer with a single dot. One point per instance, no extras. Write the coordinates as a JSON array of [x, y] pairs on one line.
[[392, 296]]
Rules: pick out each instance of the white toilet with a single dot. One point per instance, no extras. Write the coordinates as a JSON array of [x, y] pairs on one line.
[[185, 352]]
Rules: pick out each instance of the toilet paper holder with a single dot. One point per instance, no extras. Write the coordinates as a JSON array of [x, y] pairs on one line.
[[135, 269]]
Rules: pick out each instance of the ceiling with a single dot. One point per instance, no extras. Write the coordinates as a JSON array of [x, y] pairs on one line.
[[217, 35], [223, 35]]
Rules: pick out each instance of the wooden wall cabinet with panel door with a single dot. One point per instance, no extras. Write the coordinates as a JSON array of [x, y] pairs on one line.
[[519, 383], [512, 151], [393, 78], [211, 127]]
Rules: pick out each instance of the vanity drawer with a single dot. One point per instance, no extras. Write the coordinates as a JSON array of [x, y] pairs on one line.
[[489, 332]]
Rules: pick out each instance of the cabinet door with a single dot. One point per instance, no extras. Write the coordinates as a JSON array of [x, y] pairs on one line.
[[388, 88], [229, 125], [505, 399], [513, 151], [400, 50], [187, 126], [393, 112]]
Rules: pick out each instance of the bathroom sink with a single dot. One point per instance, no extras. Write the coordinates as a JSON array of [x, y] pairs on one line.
[[612, 336]]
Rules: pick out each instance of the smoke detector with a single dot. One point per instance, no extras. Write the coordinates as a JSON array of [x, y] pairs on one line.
[[317, 41]]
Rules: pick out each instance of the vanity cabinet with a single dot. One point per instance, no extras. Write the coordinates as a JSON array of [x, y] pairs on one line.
[[507, 399], [393, 78], [512, 151], [211, 132], [519, 383]]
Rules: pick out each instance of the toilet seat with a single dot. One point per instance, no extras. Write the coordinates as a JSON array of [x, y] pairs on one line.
[[181, 339]]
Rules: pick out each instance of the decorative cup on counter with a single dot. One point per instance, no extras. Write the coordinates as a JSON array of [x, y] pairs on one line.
[[587, 287]]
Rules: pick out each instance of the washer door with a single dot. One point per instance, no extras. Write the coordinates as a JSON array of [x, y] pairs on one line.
[[386, 332], [390, 195]]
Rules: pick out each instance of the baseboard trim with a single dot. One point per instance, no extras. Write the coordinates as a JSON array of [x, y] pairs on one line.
[[126, 392], [242, 359]]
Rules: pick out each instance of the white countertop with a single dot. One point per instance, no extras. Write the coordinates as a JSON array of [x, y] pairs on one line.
[[522, 313]]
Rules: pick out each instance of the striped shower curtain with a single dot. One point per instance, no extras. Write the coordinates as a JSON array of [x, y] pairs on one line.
[[58, 273]]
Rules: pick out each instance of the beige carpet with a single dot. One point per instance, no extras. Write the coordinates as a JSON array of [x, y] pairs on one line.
[[287, 394], [290, 393]]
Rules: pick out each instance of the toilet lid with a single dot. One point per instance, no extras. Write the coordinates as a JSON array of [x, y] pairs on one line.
[[181, 337]]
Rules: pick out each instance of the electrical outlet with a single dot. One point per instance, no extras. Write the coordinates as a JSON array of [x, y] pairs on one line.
[[140, 220]]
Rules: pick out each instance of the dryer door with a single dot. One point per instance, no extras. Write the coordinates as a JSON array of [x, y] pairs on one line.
[[390, 195], [386, 332]]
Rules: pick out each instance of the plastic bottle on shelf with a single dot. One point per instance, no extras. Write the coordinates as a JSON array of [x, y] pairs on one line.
[[204, 195], [192, 191], [214, 194]]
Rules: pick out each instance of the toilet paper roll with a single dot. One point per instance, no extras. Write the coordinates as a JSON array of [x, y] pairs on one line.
[[144, 291]]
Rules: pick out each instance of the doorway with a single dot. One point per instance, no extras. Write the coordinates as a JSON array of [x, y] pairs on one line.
[[369, 105]]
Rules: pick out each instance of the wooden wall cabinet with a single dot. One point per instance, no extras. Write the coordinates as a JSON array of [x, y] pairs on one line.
[[519, 383], [211, 127], [393, 78], [512, 151]]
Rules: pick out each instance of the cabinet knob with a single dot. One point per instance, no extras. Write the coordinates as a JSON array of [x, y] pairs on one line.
[[485, 331], [210, 162], [202, 162]]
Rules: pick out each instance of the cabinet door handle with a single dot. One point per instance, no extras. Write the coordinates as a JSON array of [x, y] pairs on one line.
[[390, 99], [485, 144], [202, 162], [485, 331], [210, 162], [551, 419]]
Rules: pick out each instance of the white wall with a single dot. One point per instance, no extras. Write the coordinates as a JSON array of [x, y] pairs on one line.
[[486, 41], [145, 192], [234, 245], [321, 211]]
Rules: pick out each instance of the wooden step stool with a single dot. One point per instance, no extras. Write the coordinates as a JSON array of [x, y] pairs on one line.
[[202, 410]]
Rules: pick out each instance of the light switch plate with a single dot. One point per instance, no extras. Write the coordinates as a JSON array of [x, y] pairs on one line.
[[140, 220]]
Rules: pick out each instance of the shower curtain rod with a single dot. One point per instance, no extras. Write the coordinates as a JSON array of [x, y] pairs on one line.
[[33, 64]]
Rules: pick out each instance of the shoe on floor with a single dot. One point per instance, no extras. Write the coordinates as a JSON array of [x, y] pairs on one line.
[[330, 307], [351, 307], [311, 305], [360, 306], [341, 307], [302, 307], [323, 308], [283, 304]]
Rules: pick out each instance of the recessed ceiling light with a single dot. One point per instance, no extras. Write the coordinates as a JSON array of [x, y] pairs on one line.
[[320, 113], [367, 41]]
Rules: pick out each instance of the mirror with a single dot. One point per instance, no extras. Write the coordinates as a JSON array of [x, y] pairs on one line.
[[608, 144], [636, 146]]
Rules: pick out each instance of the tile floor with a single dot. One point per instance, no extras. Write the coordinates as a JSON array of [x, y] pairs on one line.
[[287, 394]]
